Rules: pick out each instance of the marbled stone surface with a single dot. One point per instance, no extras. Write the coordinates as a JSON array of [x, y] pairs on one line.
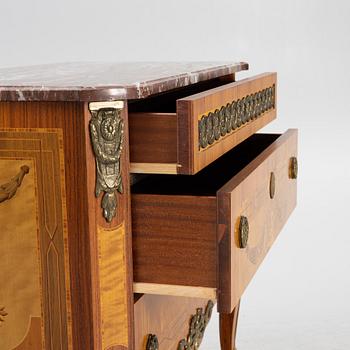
[[105, 81]]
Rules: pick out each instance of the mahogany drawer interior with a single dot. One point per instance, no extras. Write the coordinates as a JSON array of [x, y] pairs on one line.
[[183, 131], [186, 234]]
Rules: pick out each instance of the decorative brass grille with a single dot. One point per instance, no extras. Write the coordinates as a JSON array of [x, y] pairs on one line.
[[221, 122]]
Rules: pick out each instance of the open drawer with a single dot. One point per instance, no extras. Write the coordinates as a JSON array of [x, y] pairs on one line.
[[173, 134], [206, 235]]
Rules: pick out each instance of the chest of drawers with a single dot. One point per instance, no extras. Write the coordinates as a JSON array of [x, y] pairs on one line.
[[133, 198]]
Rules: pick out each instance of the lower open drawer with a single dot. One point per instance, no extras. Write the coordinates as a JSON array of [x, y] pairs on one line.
[[207, 234]]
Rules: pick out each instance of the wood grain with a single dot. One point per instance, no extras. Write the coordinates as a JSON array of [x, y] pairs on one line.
[[172, 138], [121, 280], [69, 118], [154, 168], [83, 210], [33, 338], [228, 329], [191, 108], [247, 194], [41, 287], [181, 291], [174, 237], [167, 317], [20, 294], [111, 250], [153, 137]]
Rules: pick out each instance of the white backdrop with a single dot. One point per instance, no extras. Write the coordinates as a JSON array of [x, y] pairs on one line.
[[300, 297]]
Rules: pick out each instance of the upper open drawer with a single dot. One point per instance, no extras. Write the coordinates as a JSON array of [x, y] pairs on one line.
[[203, 127]]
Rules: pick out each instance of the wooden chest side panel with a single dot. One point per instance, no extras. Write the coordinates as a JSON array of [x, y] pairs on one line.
[[69, 118], [174, 239], [34, 236]]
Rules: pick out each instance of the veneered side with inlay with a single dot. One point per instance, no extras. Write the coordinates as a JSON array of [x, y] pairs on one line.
[[33, 241], [84, 217]]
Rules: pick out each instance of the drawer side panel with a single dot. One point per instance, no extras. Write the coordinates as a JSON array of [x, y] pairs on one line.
[[174, 240]]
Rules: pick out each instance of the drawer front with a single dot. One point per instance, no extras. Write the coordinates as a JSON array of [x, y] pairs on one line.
[[252, 209], [205, 126], [213, 122], [166, 321]]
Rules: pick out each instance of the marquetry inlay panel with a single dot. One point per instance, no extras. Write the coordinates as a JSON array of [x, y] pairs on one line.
[[33, 242]]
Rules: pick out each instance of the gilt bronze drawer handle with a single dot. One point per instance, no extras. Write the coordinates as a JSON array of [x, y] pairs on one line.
[[215, 125], [243, 232], [198, 324], [293, 168], [152, 342], [272, 185], [8, 190]]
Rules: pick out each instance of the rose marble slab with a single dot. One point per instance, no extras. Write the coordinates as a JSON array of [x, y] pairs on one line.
[[105, 81]]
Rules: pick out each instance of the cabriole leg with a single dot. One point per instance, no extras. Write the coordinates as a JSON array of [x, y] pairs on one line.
[[228, 329]]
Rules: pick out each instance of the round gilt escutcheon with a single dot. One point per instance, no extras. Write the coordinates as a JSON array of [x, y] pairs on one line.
[[243, 232], [272, 185], [293, 168]]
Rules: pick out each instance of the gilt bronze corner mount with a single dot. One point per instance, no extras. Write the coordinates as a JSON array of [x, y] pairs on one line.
[[107, 137]]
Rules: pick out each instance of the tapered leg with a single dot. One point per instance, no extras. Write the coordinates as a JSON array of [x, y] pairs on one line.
[[228, 329]]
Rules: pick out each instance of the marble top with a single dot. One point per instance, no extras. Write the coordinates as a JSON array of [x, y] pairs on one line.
[[105, 81]]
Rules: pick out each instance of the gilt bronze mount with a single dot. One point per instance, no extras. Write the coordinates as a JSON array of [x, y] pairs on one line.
[[198, 324], [107, 132], [243, 231]]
